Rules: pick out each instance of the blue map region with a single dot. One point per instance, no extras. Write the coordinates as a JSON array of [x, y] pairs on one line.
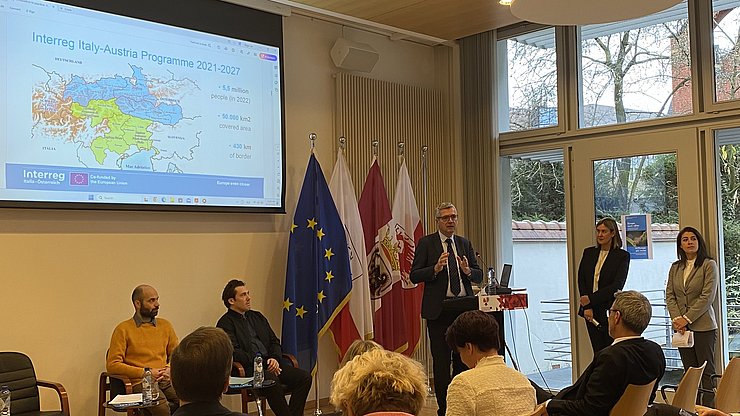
[[132, 97]]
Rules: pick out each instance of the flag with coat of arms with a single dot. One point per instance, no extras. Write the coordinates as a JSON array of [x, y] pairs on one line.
[[318, 278]]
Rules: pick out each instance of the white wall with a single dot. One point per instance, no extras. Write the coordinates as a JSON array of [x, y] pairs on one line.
[[68, 275], [541, 267]]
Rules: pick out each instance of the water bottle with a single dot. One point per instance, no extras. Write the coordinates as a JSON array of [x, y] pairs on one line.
[[259, 373], [491, 287], [146, 386], [4, 401]]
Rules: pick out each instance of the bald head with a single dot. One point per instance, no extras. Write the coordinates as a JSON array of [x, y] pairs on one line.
[[146, 301]]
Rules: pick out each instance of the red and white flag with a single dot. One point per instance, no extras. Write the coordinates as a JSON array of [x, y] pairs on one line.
[[408, 232], [355, 320], [383, 264]]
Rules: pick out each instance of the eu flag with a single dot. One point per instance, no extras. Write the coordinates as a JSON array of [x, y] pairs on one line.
[[318, 280]]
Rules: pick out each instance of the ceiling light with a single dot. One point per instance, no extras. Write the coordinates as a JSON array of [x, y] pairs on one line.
[[505, 2], [584, 12]]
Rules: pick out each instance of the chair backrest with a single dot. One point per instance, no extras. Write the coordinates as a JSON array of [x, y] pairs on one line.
[[634, 400], [16, 372], [538, 411], [727, 398], [685, 396]]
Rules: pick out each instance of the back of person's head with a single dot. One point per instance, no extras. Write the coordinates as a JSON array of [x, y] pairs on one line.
[[359, 346], [201, 364], [635, 310], [230, 291], [474, 327], [379, 380]]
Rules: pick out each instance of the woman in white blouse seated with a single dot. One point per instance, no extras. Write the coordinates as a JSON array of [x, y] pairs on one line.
[[489, 388]]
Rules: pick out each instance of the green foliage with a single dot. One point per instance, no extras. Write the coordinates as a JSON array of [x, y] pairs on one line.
[[537, 191], [730, 190]]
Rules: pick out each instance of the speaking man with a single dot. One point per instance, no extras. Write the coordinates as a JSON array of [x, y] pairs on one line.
[[445, 262]]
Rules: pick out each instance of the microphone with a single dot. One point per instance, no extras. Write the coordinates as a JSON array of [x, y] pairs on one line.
[[490, 276]]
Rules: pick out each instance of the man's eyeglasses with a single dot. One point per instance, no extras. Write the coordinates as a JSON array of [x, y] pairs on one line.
[[609, 312], [447, 218]]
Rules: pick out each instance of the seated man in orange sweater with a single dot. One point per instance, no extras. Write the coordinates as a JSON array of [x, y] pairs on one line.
[[144, 341]]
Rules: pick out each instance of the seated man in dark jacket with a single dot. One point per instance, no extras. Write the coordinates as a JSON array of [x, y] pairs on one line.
[[250, 335], [631, 359]]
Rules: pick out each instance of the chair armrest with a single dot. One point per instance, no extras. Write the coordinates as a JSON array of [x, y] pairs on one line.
[[125, 380], [239, 369], [63, 399], [291, 358], [663, 390]]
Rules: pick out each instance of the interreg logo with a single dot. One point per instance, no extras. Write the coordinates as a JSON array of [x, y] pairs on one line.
[[43, 177], [79, 179]]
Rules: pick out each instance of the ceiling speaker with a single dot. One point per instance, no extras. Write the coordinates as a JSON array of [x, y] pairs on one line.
[[354, 56]]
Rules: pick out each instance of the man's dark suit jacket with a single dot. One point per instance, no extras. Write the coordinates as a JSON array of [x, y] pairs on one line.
[[234, 324], [633, 361], [611, 279], [435, 286]]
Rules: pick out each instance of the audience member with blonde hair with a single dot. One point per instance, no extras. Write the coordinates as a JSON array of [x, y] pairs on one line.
[[358, 347], [379, 383], [489, 388]]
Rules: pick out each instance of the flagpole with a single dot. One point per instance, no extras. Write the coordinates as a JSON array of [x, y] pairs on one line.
[[375, 148], [312, 139], [425, 192]]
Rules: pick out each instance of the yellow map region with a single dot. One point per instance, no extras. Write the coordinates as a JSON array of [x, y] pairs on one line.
[[124, 130]]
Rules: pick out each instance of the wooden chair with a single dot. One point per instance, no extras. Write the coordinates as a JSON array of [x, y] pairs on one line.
[[726, 396], [634, 401], [538, 411], [687, 389], [248, 395], [17, 372], [115, 385]]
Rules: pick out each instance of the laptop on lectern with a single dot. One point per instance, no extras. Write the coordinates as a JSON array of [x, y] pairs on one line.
[[505, 276]]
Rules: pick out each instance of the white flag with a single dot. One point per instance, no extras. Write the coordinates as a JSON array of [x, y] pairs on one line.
[[357, 320], [408, 232]]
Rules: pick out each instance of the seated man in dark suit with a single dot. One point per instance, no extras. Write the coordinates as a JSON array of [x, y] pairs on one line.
[[631, 359], [251, 334], [201, 365]]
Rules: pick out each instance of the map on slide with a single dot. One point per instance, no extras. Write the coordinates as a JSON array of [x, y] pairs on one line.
[[131, 122]]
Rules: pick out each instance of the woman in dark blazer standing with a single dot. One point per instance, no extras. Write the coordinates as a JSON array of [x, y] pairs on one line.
[[602, 272], [689, 295]]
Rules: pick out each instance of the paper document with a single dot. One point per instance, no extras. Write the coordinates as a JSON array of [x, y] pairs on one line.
[[239, 381], [685, 340], [127, 399]]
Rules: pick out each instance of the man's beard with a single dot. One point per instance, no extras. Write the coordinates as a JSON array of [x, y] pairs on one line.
[[148, 313]]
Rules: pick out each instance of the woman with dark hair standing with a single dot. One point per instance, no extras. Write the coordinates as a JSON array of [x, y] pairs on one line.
[[689, 294], [602, 272]]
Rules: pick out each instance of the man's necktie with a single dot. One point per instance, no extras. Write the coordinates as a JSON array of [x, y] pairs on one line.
[[452, 268]]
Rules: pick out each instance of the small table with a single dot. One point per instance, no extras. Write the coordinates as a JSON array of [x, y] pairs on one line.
[[122, 407], [255, 391]]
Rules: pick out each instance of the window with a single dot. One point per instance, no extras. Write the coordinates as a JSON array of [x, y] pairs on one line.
[[528, 81], [726, 37], [540, 336], [636, 70]]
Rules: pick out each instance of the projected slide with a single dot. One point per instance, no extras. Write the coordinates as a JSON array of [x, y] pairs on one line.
[[107, 109]]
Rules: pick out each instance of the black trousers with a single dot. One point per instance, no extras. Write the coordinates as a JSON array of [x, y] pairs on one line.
[[703, 350], [297, 382], [442, 356]]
